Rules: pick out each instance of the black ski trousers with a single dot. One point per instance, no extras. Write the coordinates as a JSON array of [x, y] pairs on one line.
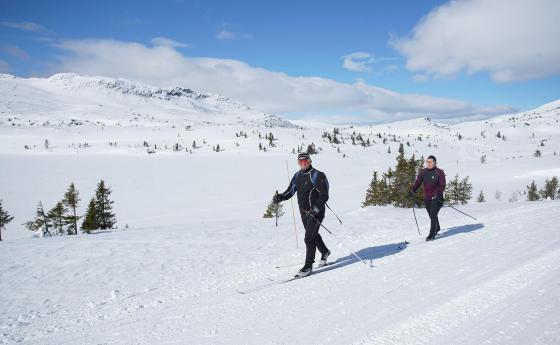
[[313, 240], [433, 206]]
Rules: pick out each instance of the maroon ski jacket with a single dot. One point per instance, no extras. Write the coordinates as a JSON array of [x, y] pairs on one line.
[[433, 181]]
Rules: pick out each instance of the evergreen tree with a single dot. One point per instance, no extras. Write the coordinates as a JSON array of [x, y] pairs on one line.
[[384, 191], [415, 166], [273, 209], [5, 218], [452, 192], [532, 194], [56, 217], [550, 190], [40, 222], [105, 218], [394, 184], [481, 197], [311, 149], [90, 219], [400, 183], [465, 190], [372, 194], [71, 200]]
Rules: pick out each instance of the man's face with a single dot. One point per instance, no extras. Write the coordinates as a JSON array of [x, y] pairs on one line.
[[304, 163], [430, 163]]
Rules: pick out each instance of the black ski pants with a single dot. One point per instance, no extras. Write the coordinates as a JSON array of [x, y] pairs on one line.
[[433, 206], [313, 240]]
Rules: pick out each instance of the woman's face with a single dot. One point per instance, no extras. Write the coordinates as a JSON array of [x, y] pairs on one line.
[[430, 163]]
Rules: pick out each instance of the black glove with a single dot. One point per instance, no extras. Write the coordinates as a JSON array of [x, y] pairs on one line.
[[438, 197], [313, 212], [277, 198], [410, 194]]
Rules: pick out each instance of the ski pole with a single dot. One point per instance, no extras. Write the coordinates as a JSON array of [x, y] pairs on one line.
[[416, 220], [333, 212], [448, 205], [276, 213], [339, 241], [293, 212]]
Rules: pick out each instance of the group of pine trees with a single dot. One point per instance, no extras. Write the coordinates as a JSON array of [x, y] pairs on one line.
[[99, 214], [392, 186], [549, 191], [63, 218]]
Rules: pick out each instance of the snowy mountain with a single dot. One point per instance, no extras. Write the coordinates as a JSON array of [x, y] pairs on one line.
[[71, 99], [194, 262]]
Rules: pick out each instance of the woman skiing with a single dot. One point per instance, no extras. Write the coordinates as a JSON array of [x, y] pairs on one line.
[[433, 180]]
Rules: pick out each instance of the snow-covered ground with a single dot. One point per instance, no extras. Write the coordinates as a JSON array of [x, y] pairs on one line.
[[495, 280], [196, 237]]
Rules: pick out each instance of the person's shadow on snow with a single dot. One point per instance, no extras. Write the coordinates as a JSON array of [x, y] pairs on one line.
[[367, 254], [459, 230], [370, 254]]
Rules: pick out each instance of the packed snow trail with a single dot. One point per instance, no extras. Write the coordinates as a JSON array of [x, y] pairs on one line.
[[496, 280]]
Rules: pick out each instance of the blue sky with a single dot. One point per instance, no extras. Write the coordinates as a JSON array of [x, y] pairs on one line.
[[297, 38]]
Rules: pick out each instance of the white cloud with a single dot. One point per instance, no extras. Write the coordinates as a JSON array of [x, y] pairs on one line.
[[510, 39], [24, 26], [226, 35], [269, 91], [167, 42], [357, 62]]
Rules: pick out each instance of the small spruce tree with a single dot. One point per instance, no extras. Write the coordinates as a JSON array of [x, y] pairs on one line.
[[550, 189], [372, 193], [105, 217], [273, 210], [532, 193], [90, 219], [56, 217], [465, 190], [481, 197], [5, 218], [71, 200], [40, 222]]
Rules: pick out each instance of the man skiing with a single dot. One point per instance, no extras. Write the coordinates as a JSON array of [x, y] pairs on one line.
[[312, 190], [433, 179]]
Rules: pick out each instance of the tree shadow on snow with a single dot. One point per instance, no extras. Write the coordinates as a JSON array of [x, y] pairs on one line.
[[369, 255], [460, 229]]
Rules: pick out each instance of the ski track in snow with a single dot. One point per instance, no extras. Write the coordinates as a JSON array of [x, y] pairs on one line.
[[498, 293]]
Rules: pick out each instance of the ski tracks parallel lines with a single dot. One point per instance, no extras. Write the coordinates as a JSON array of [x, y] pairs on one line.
[[425, 327]]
